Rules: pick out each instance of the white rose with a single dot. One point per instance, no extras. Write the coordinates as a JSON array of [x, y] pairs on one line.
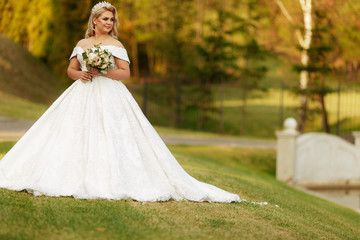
[[92, 57], [104, 65]]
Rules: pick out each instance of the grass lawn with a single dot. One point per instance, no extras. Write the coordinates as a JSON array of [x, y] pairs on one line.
[[16, 107], [24, 75], [247, 172], [262, 112]]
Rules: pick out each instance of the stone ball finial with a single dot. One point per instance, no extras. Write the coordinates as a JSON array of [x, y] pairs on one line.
[[290, 125]]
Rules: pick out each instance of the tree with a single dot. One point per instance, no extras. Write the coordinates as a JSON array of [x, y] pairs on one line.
[[46, 28], [70, 24], [346, 24], [323, 54], [217, 59], [304, 41], [319, 67], [253, 71]]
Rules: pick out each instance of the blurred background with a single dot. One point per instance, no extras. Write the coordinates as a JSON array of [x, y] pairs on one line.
[[230, 67]]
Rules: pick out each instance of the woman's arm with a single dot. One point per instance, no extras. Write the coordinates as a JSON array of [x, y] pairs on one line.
[[122, 73], [74, 73]]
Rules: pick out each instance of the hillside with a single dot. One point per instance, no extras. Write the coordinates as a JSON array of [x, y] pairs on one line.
[[290, 213], [23, 75]]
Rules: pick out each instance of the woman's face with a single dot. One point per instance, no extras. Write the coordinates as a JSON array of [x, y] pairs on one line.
[[105, 22]]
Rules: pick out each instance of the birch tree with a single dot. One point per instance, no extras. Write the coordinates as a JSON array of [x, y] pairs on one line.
[[304, 39]]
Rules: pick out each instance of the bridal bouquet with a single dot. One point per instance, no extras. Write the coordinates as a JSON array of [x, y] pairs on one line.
[[97, 58]]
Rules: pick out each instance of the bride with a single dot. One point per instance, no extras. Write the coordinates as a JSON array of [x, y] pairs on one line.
[[94, 141]]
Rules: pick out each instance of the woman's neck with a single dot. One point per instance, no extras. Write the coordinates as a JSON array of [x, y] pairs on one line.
[[100, 37]]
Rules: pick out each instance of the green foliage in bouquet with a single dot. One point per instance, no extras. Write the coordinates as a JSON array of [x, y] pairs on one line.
[[97, 58]]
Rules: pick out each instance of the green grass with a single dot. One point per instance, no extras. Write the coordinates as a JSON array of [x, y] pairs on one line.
[[247, 172], [262, 112], [13, 106], [24, 75], [265, 106], [201, 134]]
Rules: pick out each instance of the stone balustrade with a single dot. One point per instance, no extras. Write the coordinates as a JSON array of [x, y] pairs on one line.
[[317, 159]]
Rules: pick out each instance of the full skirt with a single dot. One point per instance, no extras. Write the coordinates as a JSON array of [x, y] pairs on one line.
[[94, 142]]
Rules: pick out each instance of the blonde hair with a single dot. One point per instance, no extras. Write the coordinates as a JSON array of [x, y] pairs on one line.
[[91, 28]]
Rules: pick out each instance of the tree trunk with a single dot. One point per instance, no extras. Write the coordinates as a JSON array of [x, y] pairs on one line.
[[244, 102], [304, 78], [199, 20], [304, 74], [222, 93], [178, 101], [302, 113], [304, 42], [135, 58], [173, 93], [324, 115], [145, 95], [203, 106], [134, 44], [243, 112], [150, 57]]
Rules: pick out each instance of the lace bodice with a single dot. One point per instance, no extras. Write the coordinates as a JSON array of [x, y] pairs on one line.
[[117, 52]]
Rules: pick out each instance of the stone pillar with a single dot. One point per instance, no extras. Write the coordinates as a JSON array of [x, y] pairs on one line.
[[357, 138], [286, 151]]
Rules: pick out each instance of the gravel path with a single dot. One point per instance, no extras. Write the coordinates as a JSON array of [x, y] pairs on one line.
[[12, 129]]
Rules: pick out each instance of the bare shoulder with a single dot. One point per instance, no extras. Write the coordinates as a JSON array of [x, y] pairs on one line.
[[117, 43], [83, 43]]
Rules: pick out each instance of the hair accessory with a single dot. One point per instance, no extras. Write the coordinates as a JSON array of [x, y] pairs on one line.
[[100, 5]]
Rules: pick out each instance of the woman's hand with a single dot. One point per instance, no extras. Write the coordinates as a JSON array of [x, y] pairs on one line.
[[95, 72], [75, 74], [85, 76], [122, 73]]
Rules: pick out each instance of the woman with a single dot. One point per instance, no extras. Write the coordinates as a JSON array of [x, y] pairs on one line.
[[94, 141]]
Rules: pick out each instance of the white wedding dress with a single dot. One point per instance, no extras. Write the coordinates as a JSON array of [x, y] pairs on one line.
[[94, 142]]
